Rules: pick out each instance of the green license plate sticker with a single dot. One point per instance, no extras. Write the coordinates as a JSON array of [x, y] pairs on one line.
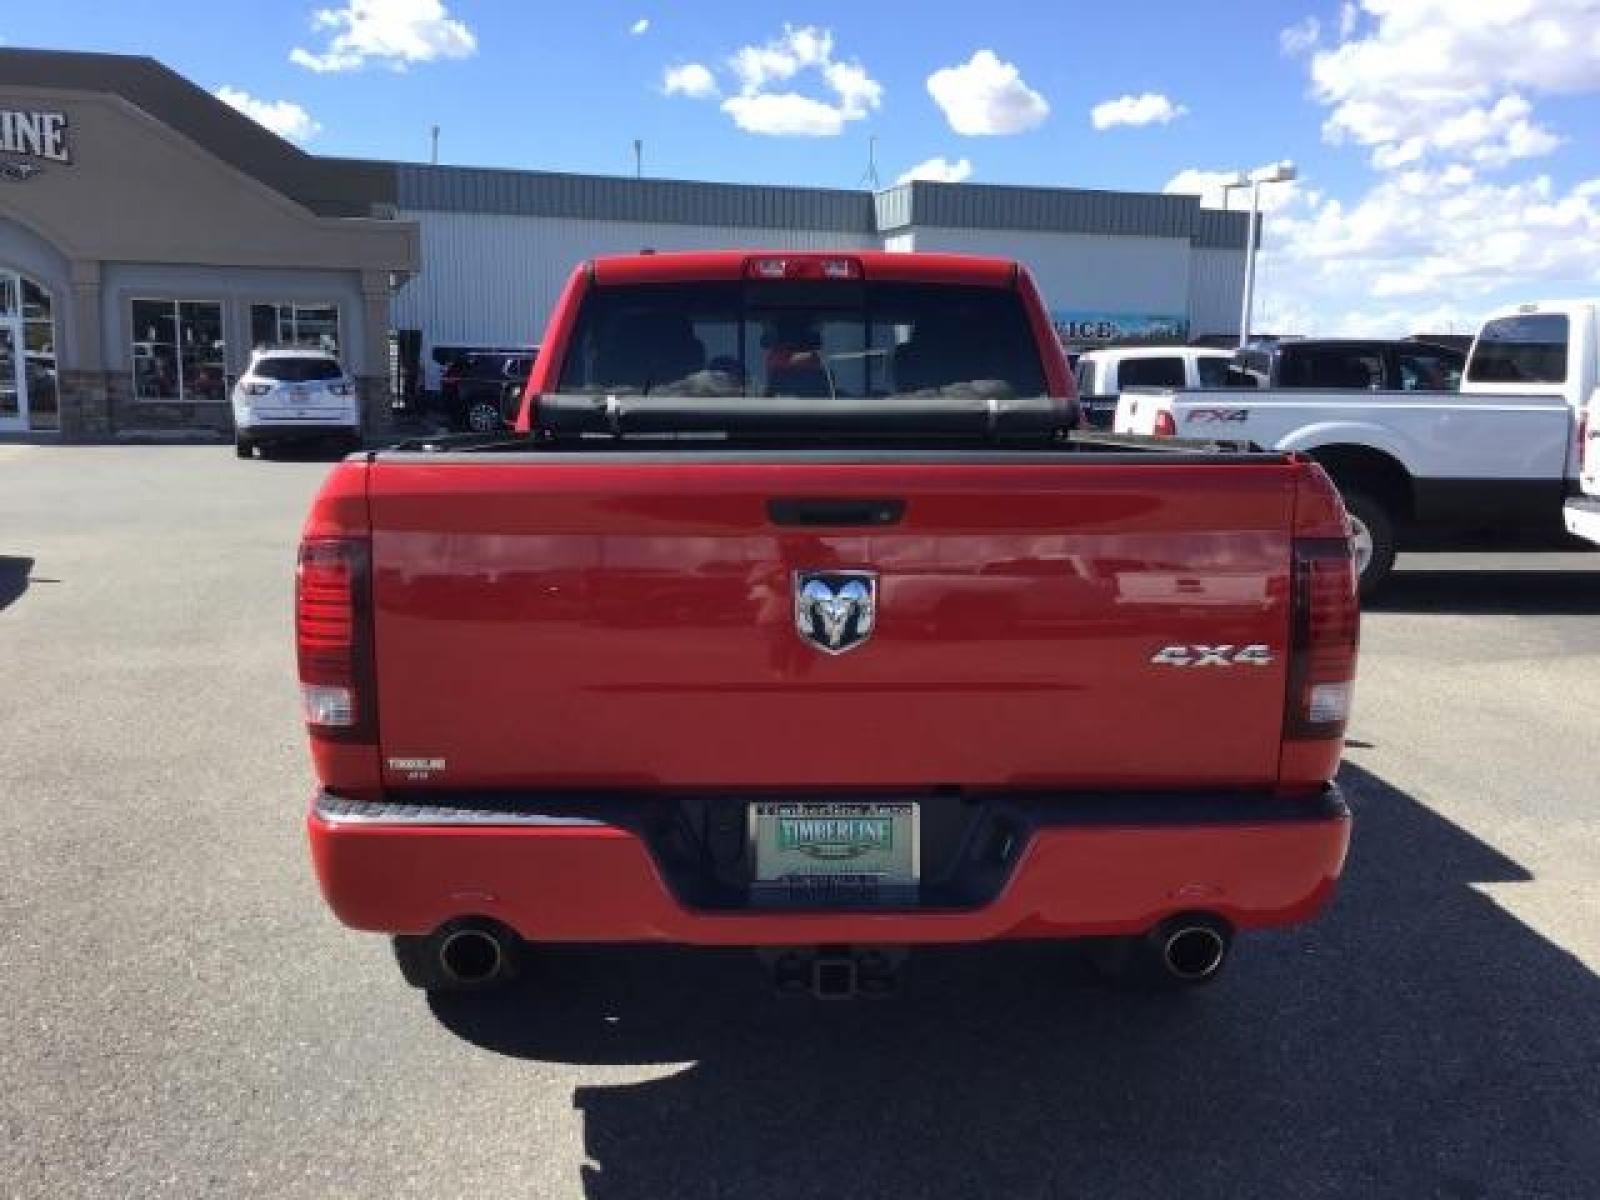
[[862, 845]]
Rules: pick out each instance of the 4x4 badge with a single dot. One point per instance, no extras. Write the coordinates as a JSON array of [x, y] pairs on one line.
[[835, 610], [1213, 656]]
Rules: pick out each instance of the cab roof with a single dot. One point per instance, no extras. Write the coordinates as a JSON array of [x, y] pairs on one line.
[[264, 352], [714, 265]]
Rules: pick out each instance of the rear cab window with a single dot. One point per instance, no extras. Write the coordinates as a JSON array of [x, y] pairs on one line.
[[1344, 367], [801, 338], [1213, 371], [1521, 349], [297, 370], [1152, 372], [1428, 369]]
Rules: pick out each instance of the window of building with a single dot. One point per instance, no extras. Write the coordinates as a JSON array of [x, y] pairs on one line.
[[1529, 349], [295, 325], [178, 351], [1151, 372]]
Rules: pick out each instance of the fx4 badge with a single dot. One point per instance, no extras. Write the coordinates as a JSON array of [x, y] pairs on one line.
[[835, 610], [1212, 656]]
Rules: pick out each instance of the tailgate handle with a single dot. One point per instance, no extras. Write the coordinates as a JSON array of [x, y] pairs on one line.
[[835, 511]]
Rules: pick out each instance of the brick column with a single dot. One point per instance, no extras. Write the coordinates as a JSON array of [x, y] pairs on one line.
[[82, 385]]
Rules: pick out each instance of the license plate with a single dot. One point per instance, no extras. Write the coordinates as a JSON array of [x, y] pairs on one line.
[[300, 394], [869, 850]]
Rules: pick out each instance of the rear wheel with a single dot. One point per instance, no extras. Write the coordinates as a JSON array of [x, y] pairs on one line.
[[1374, 540], [242, 446]]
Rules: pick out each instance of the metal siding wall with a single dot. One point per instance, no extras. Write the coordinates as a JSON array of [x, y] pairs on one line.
[[1216, 290], [491, 279], [1085, 271], [620, 199]]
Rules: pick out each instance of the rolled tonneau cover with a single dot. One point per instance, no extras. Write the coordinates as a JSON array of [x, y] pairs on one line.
[[966, 417]]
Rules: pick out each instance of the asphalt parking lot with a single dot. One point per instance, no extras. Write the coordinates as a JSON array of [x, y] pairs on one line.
[[181, 1017]]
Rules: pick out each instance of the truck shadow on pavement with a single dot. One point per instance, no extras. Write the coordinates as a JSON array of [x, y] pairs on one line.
[[1416, 1041], [14, 572], [1492, 593]]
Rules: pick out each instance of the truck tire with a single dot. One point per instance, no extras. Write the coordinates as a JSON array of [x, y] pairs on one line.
[[242, 446], [1374, 540]]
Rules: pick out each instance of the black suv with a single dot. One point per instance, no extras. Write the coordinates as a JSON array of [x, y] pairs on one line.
[[1356, 363], [478, 391]]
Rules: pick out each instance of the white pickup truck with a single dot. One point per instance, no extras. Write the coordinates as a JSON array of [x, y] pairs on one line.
[[1583, 510], [1500, 455]]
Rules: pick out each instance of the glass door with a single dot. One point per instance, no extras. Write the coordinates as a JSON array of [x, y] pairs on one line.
[[13, 387]]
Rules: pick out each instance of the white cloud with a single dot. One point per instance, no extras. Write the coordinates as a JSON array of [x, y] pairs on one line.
[[762, 105], [1148, 108], [640, 26], [1426, 66], [396, 33], [283, 117], [690, 79], [784, 114], [939, 170], [1208, 186], [1300, 37], [987, 96], [1442, 97], [1424, 242]]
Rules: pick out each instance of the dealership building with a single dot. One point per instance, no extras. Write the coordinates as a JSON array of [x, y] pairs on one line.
[[151, 236]]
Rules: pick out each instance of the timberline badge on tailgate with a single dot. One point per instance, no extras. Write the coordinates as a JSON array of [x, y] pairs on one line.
[[835, 610]]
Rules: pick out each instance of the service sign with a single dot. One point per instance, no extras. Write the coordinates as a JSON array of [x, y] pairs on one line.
[[36, 137], [1092, 328]]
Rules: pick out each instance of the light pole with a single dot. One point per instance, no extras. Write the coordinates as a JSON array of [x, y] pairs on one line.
[[1279, 172]]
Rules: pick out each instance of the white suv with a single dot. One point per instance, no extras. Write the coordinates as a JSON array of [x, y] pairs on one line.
[[293, 393]]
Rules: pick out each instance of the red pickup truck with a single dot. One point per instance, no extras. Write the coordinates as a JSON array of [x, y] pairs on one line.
[[798, 614]]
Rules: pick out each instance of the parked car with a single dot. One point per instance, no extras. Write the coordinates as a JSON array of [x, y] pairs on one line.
[[1498, 457], [1365, 363], [823, 648], [1102, 374], [475, 388], [293, 394]]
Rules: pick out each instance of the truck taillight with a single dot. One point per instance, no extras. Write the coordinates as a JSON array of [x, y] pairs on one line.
[[1325, 631], [1165, 426], [332, 617]]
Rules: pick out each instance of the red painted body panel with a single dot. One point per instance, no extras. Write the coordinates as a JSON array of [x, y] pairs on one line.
[[601, 885], [574, 623], [585, 622]]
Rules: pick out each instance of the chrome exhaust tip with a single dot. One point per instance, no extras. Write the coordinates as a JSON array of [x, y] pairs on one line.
[[1192, 951], [472, 956]]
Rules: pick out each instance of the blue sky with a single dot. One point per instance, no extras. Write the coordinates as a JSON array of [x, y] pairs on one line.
[[1443, 162]]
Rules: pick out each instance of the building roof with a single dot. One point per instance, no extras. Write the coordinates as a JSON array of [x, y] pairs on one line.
[[354, 187], [330, 187]]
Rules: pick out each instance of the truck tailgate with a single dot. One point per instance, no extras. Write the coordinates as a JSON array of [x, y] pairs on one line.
[[615, 621]]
